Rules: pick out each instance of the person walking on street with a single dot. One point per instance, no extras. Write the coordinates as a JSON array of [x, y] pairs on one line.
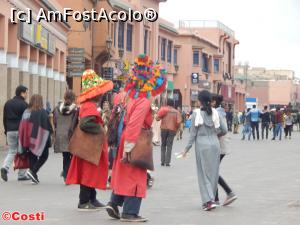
[[288, 125], [35, 132], [247, 130], [105, 114], [231, 197], [62, 118], [265, 122], [129, 182], [181, 126], [272, 124], [156, 140], [254, 115], [88, 175], [206, 128], [298, 121], [229, 118], [278, 123], [170, 122], [236, 123], [12, 115]]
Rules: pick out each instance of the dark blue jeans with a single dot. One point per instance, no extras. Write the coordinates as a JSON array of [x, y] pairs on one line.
[[131, 205], [167, 138], [264, 127]]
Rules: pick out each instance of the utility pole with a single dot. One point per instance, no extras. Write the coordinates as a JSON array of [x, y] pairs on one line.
[[246, 73]]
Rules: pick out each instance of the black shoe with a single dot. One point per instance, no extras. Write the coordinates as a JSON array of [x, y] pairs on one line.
[[4, 174], [112, 210], [133, 218], [24, 178], [168, 165], [87, 207], [162, 164], [98, 204], [33, 177], [150, 182], [273, 139]]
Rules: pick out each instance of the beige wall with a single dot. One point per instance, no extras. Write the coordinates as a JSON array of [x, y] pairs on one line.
[[260, 73], [273, 92]]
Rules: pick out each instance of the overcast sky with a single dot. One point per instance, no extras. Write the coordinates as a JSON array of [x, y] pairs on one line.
[[268, 30]]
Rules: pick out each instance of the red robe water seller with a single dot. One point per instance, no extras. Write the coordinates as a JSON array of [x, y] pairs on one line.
[[128, 180], [83, 172]]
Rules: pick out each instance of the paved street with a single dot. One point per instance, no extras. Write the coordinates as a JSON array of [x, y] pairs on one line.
[[264, 174]]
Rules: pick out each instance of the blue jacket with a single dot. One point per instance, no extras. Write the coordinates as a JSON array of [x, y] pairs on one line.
[[255, 114]]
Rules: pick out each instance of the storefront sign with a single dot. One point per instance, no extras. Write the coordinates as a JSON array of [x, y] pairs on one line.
[[75, 61], [27, 32], [108, 73], [204, 84], [195, 78], [74, 73], [51, 44], [76, 66], [44, 39], [78, 58], [194, 95], [38, 36], [76, 51]]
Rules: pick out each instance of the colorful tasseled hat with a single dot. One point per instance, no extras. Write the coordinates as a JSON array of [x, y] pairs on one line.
[[92, 86], [145, 78]]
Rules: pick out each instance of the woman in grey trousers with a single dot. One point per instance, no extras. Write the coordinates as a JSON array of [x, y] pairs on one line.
[[206, 128]]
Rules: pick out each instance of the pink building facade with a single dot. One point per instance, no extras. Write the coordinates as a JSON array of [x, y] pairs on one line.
[[206, 53]]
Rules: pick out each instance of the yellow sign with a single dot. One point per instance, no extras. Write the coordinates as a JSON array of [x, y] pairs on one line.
[[122, 78], [38, 33], [44, 39], [41, 37], [126, 65]]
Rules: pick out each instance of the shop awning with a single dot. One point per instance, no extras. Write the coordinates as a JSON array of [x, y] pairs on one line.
[[170, 86]]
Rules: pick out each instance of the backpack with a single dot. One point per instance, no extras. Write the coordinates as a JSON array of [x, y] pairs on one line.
[[116, 125]]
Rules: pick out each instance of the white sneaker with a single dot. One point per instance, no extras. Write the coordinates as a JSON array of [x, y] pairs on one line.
[[230, 199]]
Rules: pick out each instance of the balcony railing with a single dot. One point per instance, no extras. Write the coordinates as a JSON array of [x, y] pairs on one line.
[[205, 24]]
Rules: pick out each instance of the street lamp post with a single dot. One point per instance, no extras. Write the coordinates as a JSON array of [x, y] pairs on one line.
[[108, 46], [121, 54], [246, 73]]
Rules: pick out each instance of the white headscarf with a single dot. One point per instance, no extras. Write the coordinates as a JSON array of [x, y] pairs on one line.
[[199, 119]]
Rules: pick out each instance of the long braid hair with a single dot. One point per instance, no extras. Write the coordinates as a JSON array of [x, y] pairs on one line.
[[205, 99]]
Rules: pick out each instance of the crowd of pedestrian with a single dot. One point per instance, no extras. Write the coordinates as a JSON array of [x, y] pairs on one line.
[[259, 123], [109, 145]]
